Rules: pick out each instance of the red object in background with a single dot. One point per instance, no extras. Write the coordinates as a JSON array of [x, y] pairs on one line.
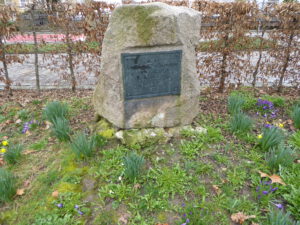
[[28, 38]]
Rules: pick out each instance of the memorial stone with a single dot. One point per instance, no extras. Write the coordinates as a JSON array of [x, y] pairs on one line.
[[148, 69]]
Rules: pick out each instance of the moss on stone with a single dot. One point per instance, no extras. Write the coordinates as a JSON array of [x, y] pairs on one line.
[[104, 128], [144, 137], [141, 16]]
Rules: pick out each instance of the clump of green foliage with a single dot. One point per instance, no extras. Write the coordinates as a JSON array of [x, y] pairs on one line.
[[296, 116], [235, 104], [133, 164], [271, 138], [13, 154], [61, 129], [7, 185], [191, 148], [281, 156], [278, 217], [295, 139], [241, 123], [278, 101], [82, 145], [54, 110]]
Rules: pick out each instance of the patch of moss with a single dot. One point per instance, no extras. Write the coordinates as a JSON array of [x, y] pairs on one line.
[[144, 137], [68, 187], [104, 129], [144, 22]]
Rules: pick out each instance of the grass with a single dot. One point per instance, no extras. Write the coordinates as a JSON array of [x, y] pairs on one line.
[[61, 129], [271, 138], [240, 123], [281, 156], [13, 154], [202, 178], [51, 48], [7, 185], [82, 145], [54, 110], [133, 164], [235, 104], [247, 43], [295, 115]]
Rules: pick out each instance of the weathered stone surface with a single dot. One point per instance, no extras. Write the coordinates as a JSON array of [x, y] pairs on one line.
[[143, 137], [154, 27]]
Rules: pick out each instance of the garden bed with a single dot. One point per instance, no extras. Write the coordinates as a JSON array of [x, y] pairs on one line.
[[222, 176]]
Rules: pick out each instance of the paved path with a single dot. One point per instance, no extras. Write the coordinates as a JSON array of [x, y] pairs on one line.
[[23, 75]]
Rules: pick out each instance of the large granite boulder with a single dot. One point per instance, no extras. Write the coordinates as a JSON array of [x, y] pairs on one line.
[[148, 70]]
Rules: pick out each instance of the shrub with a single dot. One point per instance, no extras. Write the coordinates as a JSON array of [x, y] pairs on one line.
[[13, 154], [271, 138], [55, 110], [61, 129], [235, 104], [296, 116], [240, 122], [133, 166], [82, 145], [296, 139], [7, 185], [279, 156], [278, 217]]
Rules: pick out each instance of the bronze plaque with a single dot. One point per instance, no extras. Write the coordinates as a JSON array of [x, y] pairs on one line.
[[151, 74]]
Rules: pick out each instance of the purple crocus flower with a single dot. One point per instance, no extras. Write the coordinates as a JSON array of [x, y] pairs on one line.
[[265, 192], [76, 207], [183, 224], [184, 215], [80, 213], [268, 125], [257, 188], [60, 205], [265, 115], [268, 182], [187, 220], [183, 205], [274, 189], [279, 206]]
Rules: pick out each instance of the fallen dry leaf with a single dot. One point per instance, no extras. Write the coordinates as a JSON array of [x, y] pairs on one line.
[[240, 217], [137, 186], [55, 194], [217, 189], [20, 192], [274, 178], [263, 174], [124, 218]]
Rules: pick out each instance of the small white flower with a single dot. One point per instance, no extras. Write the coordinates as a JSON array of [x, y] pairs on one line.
[[120, 178], [111, 192]]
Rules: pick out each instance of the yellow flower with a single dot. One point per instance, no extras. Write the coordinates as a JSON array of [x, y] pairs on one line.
[[3, 150], [281, 125], [4, 143], [259, 136]]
